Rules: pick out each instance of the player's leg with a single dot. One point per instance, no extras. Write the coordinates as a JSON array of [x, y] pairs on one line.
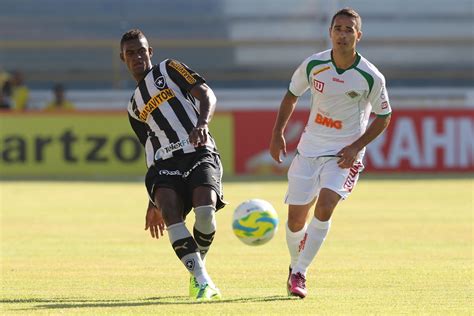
[[336, 184], [301, 194], [181, 239], [315, 235], [317, 230], [296, 234], [204, 199], [205, 183], [296, 229], [204, 230]]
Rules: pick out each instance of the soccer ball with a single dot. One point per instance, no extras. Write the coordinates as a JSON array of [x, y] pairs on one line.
[[255, 222]]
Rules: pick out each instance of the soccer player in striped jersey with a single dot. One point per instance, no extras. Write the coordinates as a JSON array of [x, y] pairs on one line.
[[345, 89], [184, 167]]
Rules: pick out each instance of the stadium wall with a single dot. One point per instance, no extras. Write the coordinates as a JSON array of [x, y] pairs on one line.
[[101, 143], [82, 144]]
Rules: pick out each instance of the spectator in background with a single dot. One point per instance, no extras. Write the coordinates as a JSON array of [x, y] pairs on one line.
[[20, 92], [4, 76], [59, 102], [4, 105], [5, 95]]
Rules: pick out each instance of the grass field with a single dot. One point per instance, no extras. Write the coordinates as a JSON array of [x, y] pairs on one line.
[[397, 246]]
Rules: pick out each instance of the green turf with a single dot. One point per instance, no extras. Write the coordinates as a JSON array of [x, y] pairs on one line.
[[395, 247]]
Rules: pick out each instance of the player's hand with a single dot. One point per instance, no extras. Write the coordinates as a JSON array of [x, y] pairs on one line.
[[277, 146], [154, 221], [199, 135], [347, 156]]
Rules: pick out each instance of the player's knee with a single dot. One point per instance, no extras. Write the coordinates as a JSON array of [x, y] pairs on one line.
[[172, 217], [296, 223], [205, 213], [204, 196], [324, 211], [205, 219], [297, 216], [326, 205], [171, 209], [171, 213]]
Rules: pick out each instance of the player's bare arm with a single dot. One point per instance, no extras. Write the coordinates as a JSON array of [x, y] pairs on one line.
[[154, 221], [349, 153], [278, 143], [207, 100]]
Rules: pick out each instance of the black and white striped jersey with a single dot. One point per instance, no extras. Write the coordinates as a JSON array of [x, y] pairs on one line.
[[162, 111]]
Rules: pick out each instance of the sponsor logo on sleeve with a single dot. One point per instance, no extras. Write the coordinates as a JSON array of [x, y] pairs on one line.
[[382, 94], [318, 85], [183, 71]]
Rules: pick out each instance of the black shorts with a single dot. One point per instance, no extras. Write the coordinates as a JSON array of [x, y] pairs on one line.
[[185, 173]]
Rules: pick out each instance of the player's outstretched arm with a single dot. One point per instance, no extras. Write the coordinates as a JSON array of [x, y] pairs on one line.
[[154, 221], [207, 105], [278, 143]]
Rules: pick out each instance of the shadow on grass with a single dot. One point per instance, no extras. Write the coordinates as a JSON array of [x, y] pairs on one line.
[[68, 303]]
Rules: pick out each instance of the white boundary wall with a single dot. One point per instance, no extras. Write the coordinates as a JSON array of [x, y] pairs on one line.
[[258, 99]]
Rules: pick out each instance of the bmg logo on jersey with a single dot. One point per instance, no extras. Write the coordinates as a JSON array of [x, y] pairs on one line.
[[327, 121], [318, 85]]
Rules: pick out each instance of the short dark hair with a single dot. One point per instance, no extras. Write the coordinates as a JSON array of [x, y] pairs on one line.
[[131, 35], [351, 13]]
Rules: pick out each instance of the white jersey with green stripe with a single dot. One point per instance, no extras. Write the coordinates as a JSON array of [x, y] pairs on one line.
[[341, 102]]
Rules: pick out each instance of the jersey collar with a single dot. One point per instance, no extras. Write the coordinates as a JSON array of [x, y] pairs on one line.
[[341, 71]]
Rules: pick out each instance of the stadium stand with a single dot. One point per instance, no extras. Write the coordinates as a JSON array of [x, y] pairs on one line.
[[233, 43]]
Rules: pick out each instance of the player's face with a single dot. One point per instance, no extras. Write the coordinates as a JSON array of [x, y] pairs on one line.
[[344, 34], [136, 54]]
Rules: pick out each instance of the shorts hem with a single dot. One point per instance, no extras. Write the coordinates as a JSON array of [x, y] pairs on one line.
[[292, 202], [337, 191]]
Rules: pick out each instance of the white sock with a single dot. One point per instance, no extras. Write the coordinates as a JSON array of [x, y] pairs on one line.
[[293, 241], [187, 251], [316, 233]]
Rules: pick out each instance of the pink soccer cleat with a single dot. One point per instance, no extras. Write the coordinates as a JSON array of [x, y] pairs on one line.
[[288, 284], [297, 285]]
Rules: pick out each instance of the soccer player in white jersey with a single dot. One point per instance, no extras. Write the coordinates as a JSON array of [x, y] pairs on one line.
[[345, 88], [184, 167]]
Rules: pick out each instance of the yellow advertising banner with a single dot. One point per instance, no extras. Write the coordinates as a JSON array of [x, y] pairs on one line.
[[84, 144]]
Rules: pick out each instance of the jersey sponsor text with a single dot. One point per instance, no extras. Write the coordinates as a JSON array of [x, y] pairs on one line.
[[327, 121], [155, 102], [180, 68], [171, 148]]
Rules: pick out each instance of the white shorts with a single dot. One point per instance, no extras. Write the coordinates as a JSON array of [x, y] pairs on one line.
[[307, 176]]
